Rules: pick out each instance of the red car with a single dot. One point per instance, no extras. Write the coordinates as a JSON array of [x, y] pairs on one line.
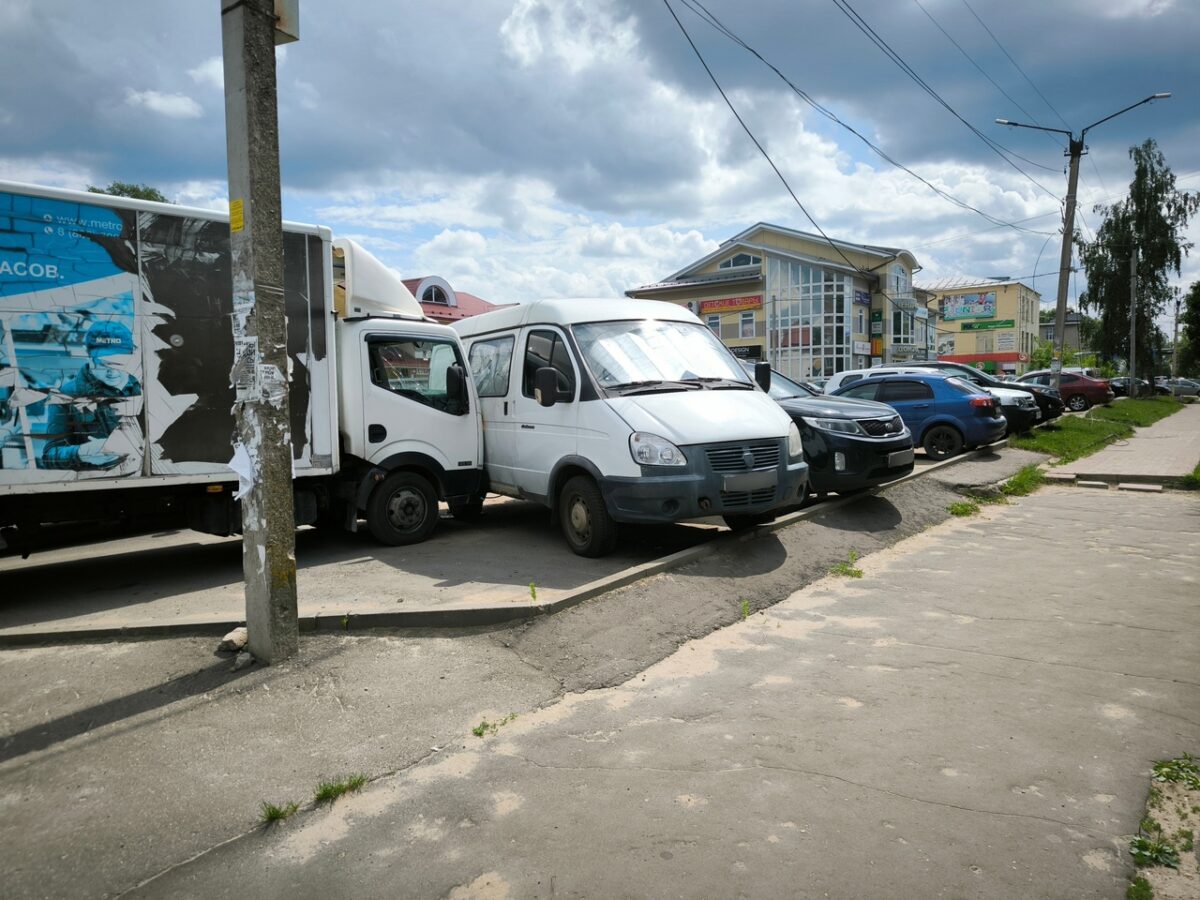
[[1078, 391]]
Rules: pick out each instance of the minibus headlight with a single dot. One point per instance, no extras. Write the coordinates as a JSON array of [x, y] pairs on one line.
[[652, 450], [795, 445]]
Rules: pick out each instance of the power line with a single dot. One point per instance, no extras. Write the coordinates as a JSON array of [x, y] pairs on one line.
[[1003, 152], [717, 84], [971, 60], [1015, 66], [700, 10]]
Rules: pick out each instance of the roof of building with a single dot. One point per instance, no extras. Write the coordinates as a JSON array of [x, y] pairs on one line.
[[462, 305], [963, 282]]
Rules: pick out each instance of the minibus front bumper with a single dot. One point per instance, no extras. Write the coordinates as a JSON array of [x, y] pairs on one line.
[[719, 479]]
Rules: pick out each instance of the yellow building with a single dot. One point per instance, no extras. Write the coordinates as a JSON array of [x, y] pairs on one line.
[[809, 306], [990, 323]]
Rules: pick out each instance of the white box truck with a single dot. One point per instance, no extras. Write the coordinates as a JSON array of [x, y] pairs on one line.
[[612, 411], [116, 401]]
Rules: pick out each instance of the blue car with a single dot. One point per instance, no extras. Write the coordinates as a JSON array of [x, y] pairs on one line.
[[945, 414]]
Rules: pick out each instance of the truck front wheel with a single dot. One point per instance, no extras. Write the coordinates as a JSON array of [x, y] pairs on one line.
[[403, 509], [586, 524]]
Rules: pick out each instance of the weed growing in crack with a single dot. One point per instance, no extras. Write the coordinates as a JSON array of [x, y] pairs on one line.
[[328, 791], [745, 610], [848, 569], [1180, 770], [533, 592], [485, 727], [1148, 851], [1139, 889], [963, 508], [270, 813]]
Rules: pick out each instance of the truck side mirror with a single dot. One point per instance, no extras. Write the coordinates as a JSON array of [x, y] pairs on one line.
[[456, 382], [762, 375], [545, 386]]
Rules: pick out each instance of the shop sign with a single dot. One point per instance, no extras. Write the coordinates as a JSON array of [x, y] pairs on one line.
[[877, 315], [731, 304], [1006, 341], [877, 327], [862, 347], [988, 326], [969, 306], [862, 298], [877, 347]]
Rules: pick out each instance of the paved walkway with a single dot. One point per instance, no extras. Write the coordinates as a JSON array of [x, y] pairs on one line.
[[1165, 452]]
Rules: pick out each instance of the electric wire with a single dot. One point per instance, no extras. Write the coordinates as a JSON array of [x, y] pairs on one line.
[[1057, 141], [697, 7], [1003, 152], [833, 244], [1049, 105]]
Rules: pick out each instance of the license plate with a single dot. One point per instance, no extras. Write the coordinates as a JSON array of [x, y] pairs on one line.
[[750, 481], [899, 458]]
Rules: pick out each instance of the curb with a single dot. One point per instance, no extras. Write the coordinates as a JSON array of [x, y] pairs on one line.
[[478, 616]]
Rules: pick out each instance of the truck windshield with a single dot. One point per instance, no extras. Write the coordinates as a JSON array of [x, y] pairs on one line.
[[650, 354]]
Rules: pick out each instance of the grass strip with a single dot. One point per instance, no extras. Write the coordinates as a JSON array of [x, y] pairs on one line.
[[1074, 437]]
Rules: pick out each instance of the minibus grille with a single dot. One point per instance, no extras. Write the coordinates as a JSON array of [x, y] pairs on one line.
[[724, 460], [740, 499]]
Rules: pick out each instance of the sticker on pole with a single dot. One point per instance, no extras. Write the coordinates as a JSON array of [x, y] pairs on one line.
[[237, 218]]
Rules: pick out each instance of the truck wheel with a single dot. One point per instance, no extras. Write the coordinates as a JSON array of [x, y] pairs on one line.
[[470, 511], [402, 510], [942, 442], [587, 526], [745, 523]]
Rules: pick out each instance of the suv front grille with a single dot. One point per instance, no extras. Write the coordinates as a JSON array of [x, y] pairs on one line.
[[882, 427], [737, 499], [726, 460]]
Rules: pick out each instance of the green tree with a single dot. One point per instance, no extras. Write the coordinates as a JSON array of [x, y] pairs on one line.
[[1043, 353], [129, 189], [1189, 332], [1151, 219]]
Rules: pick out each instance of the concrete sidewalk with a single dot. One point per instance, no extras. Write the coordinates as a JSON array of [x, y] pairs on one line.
[[974, 717], [1163, 453]]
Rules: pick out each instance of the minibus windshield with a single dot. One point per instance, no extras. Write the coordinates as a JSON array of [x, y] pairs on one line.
[[652, 354]]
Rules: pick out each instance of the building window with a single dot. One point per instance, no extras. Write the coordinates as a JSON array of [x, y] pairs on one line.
[[740, 259], [899, 280], [434, 294], [902, 326], [747, 325], [713, 322], [860, 320]]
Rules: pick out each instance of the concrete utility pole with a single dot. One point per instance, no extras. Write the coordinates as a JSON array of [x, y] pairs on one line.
[[1133, 323], [1075, 149], [259, 375], [1175, 340]]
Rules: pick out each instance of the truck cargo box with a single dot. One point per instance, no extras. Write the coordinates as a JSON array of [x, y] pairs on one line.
[[116, 343]]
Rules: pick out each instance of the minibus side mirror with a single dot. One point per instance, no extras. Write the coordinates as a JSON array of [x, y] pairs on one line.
[[762, 375], [545, 386], [456, 382]]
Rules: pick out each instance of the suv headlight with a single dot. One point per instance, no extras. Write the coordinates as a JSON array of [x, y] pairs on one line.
[[652, 450], [837, 426], [795, 445]]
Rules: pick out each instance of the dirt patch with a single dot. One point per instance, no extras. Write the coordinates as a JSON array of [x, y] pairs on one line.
[[608, 640], [1172, 823]]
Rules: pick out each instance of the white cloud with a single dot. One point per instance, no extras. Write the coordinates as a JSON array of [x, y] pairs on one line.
[[211, 72], [173, 106]]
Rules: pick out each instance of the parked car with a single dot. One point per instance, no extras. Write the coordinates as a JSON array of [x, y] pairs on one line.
[[1079, 391], [1018, 407], [945, 414], [818, 383], [1182, 387], [1049, 401], [1120, 386], [849, 445]]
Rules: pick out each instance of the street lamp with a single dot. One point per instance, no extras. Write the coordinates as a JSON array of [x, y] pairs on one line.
[[1075, 149]]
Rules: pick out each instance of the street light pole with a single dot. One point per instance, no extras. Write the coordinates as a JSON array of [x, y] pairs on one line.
[[1075, 149]]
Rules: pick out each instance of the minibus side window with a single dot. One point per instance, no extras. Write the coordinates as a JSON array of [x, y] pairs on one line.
[[547, 348]]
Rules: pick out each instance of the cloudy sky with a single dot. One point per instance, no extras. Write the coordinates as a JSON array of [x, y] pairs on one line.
[[525, 148]]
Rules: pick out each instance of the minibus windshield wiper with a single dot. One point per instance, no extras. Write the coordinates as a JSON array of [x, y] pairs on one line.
[[715, 383], [651, 386]]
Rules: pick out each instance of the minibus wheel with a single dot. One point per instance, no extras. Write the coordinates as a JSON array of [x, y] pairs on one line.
[[584, 519]]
